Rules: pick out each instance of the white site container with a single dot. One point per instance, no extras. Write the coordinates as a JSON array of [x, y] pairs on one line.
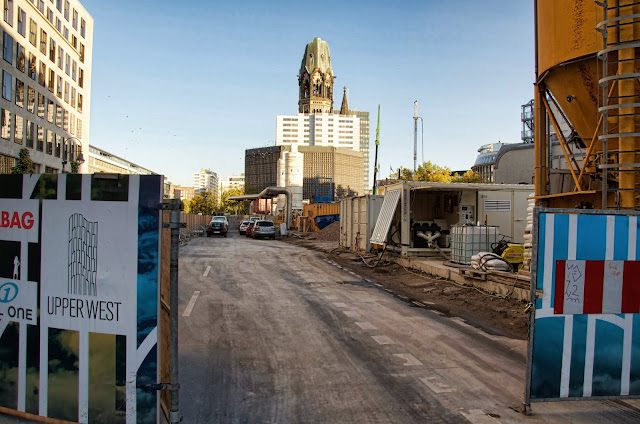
[[468, 240], [358, 216]]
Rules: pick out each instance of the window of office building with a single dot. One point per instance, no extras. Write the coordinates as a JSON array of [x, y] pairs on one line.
[[7, 50], [65, 120], [41, 137], [41, 6], [19, 93], [32, 66], [22, 24], [42, 74], [79, 102], [5, 124], [8, 12], [33, 31], [52, 80], [59, 116], [65, 32], [57, 149], [59, 87], [43, 42], [79, 129], [52, 50], [73, 97], [49, 145], [72, 123], [81, 79], [50, 110], [59, 5], [66, 92], [20, 57], [59, 25], [82, 27], [18, 135], [66, 10], [74, 41], [60, 56], [81, 52], [31, 100], [67, 64], [74, 70], [29, 133], [42, 106], [74, 19], [6, 85]]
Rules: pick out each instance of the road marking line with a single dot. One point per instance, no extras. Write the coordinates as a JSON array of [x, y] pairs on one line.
[[192, 302], [340, 305], [383, 340], [436, 386], [351, 314], [366, 326], [409, 359], [206, 272]]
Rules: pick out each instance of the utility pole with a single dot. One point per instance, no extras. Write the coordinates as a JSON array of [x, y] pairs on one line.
[[415, 138], [375, 162]]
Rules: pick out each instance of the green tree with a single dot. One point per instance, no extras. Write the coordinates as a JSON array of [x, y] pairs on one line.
[[74, 167], [202, 203], [405, 174], [233, 207], [429, 171], [468, 177], [186, 205], [24, 165]]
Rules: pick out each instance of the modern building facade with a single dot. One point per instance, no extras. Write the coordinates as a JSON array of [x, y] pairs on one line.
[[261, 168], [233, 181], [207, 180], [102, 161], [343, 166], [46, 83]]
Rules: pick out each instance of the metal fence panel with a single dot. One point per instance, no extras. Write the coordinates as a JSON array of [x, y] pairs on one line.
[[586, 265]]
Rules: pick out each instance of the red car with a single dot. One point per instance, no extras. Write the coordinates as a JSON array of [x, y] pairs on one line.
[[249, 229]]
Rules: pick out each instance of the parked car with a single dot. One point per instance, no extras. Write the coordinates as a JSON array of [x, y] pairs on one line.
[[249, 228], [218, 225], [264, 229], [242, 229]]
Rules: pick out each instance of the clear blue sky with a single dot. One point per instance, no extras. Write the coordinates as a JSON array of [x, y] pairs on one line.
[[181, 86]]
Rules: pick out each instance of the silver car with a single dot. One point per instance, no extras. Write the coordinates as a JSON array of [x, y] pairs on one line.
[[264, 229]]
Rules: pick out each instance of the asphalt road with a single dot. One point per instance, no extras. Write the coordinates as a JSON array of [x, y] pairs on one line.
[[275, 333]]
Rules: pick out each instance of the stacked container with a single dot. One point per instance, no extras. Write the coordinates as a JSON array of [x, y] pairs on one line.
[[468, 240]]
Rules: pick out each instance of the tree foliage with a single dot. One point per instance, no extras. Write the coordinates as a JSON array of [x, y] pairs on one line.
[[202, 203], [429, 171], [24, 165], [233, 207]]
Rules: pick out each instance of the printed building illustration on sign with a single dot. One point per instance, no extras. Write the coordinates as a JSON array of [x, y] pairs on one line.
[[83, 255], [586, 325], [69, 319]]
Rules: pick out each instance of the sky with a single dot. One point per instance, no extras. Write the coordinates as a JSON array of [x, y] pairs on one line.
[[177, 87]]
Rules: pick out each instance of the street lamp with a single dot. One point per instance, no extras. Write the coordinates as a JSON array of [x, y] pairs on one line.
[[79, 158]]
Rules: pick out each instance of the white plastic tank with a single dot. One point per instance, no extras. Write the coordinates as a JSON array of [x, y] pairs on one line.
[[468, 240]]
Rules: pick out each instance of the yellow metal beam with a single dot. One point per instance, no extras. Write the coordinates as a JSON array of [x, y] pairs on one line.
[[556, 127]]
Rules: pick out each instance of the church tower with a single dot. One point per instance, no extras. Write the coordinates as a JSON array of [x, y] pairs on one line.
[[316, 79]]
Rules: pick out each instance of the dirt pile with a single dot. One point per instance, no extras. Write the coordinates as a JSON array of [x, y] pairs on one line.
[[329, 233]]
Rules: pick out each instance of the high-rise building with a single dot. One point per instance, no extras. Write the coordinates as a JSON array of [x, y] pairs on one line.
[[46, 83], [233, 181], [103, 161], [261, 168], [207, 180]]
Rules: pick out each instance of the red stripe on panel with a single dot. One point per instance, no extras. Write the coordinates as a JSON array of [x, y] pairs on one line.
[[558, 302], [593, 286], [631, 287]]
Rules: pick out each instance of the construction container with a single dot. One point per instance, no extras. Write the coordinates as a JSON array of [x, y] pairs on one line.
[[358, 216], [317, 209], [469, 240]]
